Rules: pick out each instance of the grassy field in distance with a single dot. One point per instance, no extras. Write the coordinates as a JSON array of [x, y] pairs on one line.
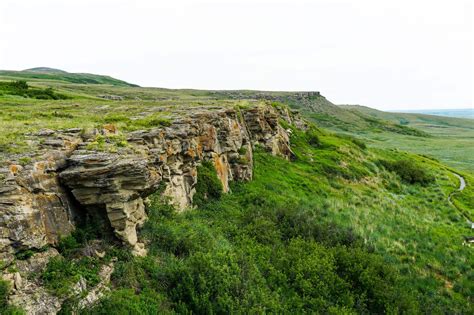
[[451, 139], [459, 113]]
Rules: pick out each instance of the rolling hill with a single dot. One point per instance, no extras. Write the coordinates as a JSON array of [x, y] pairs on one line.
[[45, 74]]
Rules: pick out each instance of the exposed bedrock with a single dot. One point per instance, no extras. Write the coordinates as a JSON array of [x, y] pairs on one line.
[[35, 210], [36, 201]]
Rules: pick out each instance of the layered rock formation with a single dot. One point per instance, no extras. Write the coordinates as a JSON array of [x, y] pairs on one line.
[[40, 201], [35, 209], [118, 182]]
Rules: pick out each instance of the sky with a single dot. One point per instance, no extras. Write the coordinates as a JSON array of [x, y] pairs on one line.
[[403, 54]]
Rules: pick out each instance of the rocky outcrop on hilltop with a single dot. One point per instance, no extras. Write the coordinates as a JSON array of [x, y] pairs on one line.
[[117, 183], [66, 176], [41, 200]]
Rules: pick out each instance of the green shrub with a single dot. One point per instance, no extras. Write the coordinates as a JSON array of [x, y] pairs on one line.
[[68, 245], [313, 138], [208, 186], [278, 105], [152, 121], [21, 88], [61, 274], [24, 254], [24, 160], [19, 85], [359, 143], [242, 150], [409, 171], [375, 284], [127, 301]]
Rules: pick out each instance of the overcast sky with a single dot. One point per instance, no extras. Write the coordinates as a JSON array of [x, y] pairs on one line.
[[400, 54]]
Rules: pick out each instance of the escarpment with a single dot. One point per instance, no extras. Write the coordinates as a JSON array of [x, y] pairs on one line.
[[42, 200]]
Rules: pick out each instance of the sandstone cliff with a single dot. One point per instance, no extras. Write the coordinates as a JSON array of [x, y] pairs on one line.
[[41, 200]]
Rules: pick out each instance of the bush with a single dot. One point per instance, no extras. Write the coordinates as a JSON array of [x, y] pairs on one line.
[[152, 121], [359, 143], [126, 302], [21, 88], [61, 274], [409, 171], [19, 85], [294, 221], [375, 284], [208, 186], [313, 138]]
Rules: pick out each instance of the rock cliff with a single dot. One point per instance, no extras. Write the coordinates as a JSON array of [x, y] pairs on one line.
[[42, 199]]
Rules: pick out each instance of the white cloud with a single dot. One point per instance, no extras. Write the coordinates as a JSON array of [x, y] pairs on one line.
[[380, 53]]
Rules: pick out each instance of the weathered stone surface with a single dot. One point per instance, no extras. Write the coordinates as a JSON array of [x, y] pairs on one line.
[[100, 289], [34, 208], [35, 300], [111, 97], [28, 293]]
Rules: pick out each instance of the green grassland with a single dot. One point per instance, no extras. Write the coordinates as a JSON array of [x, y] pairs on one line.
[[451, 139], [353, 225], [54, 75], [448, 139]]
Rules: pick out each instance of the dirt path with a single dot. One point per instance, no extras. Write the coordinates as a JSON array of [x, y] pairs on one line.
[[462, 181], [462, 185]]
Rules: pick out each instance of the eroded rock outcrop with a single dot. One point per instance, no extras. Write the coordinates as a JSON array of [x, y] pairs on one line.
[[28, 293], [118, 182], [40, 200], [35, 210]]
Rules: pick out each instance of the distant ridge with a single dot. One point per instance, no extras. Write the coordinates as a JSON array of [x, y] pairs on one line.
[[44, 70], [455, 112], [52, 74]]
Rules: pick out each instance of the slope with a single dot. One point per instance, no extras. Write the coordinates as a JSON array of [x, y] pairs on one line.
[[451, 139], [43, 74]]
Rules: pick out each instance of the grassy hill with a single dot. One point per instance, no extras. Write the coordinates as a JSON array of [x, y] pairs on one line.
[[354, 225], [48, 75], [328, 115], [412, 119], [455, 112], [448, 139], [451, 139]]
